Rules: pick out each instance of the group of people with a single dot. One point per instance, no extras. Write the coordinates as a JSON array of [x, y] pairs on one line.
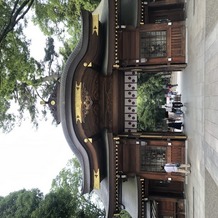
[[174, 113], [175, 121]]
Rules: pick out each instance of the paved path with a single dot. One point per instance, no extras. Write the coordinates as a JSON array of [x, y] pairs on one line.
[[199, 87]]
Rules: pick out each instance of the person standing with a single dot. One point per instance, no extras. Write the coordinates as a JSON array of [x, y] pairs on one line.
[[176, 104], [177, 167], [177, 111], [169, 86], [175, 125]]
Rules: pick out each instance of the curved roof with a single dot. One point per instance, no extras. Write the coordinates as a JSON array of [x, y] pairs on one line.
[[83, 97], [66, 104]]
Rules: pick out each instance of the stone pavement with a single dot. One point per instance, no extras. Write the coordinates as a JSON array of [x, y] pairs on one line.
[[199, 88]]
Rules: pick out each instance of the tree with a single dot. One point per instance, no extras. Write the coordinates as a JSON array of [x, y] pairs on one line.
[[12, 13], [20, 203], [18, 68], [70, 180], [23, 79], [50, 54], [16, 65], [62, 19], [56, 204], [123, 214], [150, 96], [63, 201]]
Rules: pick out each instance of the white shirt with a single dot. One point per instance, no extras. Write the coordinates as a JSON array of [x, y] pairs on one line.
[[170, 168]]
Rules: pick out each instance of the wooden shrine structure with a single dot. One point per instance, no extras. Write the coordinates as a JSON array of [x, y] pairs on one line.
[[98, 105]]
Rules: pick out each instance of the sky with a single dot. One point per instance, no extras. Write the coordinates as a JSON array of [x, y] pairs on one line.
[[29, 158]]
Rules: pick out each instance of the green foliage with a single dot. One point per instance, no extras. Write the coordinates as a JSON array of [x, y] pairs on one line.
[[63, 201], [123, 214], [70, 180], [18, 69], [20, 204], [21, 77], [18, 73], [62, 19], [56, 204], [12, 12], [149, 97], [7, 120]]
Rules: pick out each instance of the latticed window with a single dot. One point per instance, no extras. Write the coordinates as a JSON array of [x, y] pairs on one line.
[[152, 158], [153, 44]]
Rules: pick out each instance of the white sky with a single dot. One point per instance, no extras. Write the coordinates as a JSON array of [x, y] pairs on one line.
[[28, 158]]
